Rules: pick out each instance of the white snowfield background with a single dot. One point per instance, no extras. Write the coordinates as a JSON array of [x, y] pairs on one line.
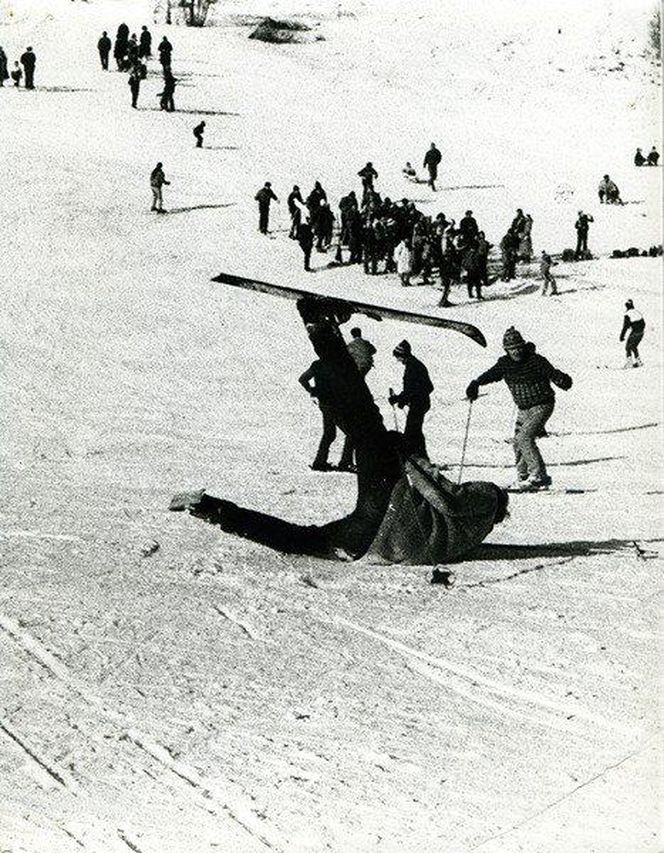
[[167, 688]]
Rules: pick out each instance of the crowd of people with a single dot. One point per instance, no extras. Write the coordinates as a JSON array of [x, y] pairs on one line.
[[24, 67]]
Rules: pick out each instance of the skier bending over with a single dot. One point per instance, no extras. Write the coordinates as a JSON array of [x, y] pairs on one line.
[[635, 325], [528, 376], [431, 520]]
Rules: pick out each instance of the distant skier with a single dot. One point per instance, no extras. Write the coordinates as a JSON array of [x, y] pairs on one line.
[[634, 327], [166, 98], [157, 181], [145, 43], [314, 381], [135, 85], [528, 376], [639, 159], [305, 237], [4, 75], [165, 53], [416, 394], [104, 46], [549, 282], [264, 196], [362, 352], [120, 47], [368, 175], [295, 204], [431, 162], [16, 75], [199, 130], [582, 226], [28, 61], [653, 157]]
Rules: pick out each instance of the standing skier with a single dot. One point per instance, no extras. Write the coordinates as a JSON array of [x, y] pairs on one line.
[[145, 43], [157, 180], [315, 382], [135, 85], [165, 52], [28, 61], [104, 46], [582, 226], [546, 263], [264, 196], [416, 394], [431, 160], [528, 375], [199, 130], [633, 326]]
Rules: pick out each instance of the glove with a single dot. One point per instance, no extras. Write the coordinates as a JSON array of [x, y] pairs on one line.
[[566, 382], [473, 391]]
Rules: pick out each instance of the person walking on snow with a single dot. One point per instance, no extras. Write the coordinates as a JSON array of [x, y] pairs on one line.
[[416, 394], [362, 352], [431, 161], [546, 263], [145, 43], [199, 130], [264, 196], [28, 61], [165, 52], [305, 237], [528, 376], [633, 326], [582, 226], [157, 180], [104, 46], [135, 85]]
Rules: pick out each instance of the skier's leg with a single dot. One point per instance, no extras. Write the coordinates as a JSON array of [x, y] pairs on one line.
[[326, 440], [533, 421], [413, 436], [347, 453]]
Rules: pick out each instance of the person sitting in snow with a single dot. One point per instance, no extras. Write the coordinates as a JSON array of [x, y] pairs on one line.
[[653, 157], [17, 75], [639, 159], [528, 376], [409, 172], [406, 510], [634, 327], [608, 191]]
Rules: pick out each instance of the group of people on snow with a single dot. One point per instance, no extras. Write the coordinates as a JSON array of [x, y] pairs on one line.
[[651, 160], [23, 67], [608, 191]]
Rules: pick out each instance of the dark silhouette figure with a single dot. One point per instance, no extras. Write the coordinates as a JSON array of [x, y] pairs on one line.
[[264, 196], [417, 388], [431, 161], [28, 61], [198, 133], [145, 43], [104, 46], [582, 226]]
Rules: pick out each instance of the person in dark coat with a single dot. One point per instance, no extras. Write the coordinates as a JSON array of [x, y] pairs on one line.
[[639, 159], [120, 47], [28, 61], [354, 224], [431, 162], [368, 175], [295, 205], [165, 53], [582, 226], [509, 246], [653, 157], [468, 229], [4, 75], [199, 130], [314, 199], [314, 381], [132, 51], [264, 196], [16, 74], [135, 85], [362, 352], [157, 181], [104, 46], [305, 237], [166, 101], [528, 376], [416, 394], [634, 327], [145, 43], [324, 227]]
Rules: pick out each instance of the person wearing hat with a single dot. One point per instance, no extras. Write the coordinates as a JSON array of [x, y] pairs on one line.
[[528, 376], [416, 394], [264, 196], [635, 325], [28, 61]]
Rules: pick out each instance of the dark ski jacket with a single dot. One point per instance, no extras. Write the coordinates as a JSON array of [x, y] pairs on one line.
[[104, 45], [432, 157], [529, 380], [417, 385], [362, 353], [582, 224], [633, 323], [264, 196], [28, 60]]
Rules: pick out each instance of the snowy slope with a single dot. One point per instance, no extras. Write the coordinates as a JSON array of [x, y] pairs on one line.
[[214, 695]]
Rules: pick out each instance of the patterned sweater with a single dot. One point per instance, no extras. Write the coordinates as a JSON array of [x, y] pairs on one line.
[[529, 380]]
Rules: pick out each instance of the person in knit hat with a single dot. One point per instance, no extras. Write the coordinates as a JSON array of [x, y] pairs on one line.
[[528, 376], [636, 326], [416, 394]]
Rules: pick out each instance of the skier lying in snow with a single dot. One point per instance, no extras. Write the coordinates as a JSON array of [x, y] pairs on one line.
[[406, 510]]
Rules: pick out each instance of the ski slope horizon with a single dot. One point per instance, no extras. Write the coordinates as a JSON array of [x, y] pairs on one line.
[[166, 687]]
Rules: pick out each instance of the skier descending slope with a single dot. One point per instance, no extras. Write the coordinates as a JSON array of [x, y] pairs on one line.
[[633, 326], [528, 376], [430, 520]]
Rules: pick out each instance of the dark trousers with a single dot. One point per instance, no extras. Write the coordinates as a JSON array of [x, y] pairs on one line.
[[413, 436], [632, 344], [327, 438], [263, 217], [581, 243], [296, 219], [307, 257], [29, 78], [135, 87], [104, 61], [433, 176], [199, 140]]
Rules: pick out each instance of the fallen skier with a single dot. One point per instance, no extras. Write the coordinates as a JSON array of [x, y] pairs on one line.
[[406, 510]]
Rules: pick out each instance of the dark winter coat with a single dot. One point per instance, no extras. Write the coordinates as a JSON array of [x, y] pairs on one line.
[[529, 380], [417, 385], [264, 196], [3, 65], [104, 45], [582, 224], [145, 43], [633, 323], [28, 60], [432, 158]]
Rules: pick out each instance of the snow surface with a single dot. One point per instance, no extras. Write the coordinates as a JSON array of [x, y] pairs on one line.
[[164, 687]]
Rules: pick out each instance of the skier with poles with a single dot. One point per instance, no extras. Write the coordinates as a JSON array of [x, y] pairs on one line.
[[417, 388], [430, 520], [528, 376], [634, 327]]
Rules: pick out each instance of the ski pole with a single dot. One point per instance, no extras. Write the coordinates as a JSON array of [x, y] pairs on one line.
[[465, 441]]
